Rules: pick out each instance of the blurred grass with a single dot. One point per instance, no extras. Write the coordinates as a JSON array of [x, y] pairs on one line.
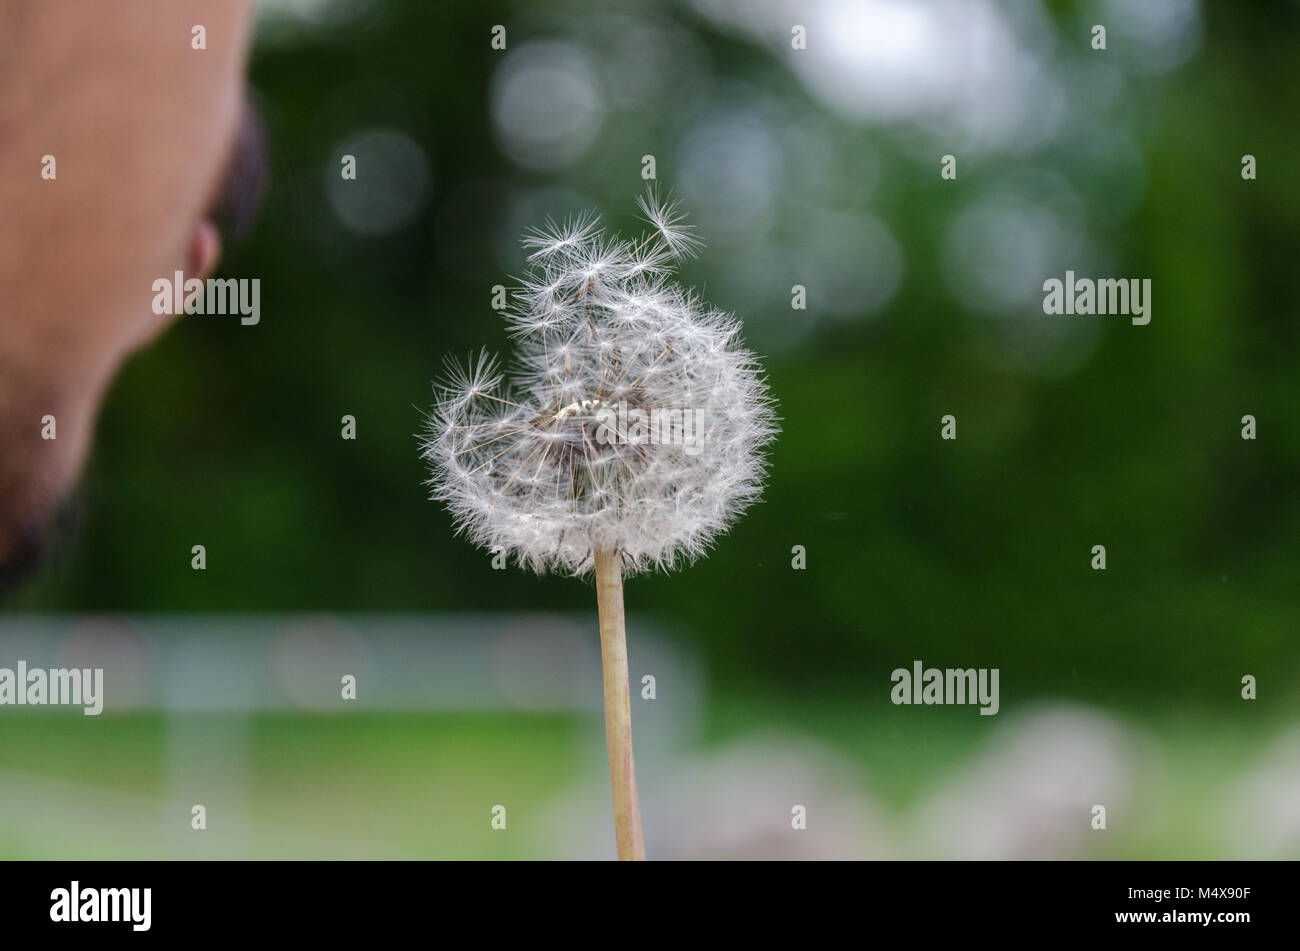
[[422, 786], [365, 785]]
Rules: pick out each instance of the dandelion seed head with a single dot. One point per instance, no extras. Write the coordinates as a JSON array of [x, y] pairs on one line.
[[527, 463]]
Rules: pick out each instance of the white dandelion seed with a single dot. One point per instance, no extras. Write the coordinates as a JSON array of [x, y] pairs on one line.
[[628, 437]]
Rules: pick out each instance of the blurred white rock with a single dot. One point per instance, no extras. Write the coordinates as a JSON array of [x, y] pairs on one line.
[[1261, 815], [733, 802], [1031, 793]]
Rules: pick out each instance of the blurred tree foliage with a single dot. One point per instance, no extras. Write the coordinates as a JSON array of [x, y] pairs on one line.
[[972, 553]]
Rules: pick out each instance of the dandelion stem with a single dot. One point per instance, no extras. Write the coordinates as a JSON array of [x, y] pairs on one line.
[[618, 710]]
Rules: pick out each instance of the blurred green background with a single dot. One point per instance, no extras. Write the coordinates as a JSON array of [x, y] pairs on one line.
[[818, 167]]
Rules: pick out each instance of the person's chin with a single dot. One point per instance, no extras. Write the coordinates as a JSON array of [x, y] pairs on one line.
[[26, 543]]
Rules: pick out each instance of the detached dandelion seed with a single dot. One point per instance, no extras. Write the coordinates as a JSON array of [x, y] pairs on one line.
[[629, 436]]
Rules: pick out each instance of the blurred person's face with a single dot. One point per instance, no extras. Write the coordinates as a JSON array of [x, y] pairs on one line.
[[145, 135]]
